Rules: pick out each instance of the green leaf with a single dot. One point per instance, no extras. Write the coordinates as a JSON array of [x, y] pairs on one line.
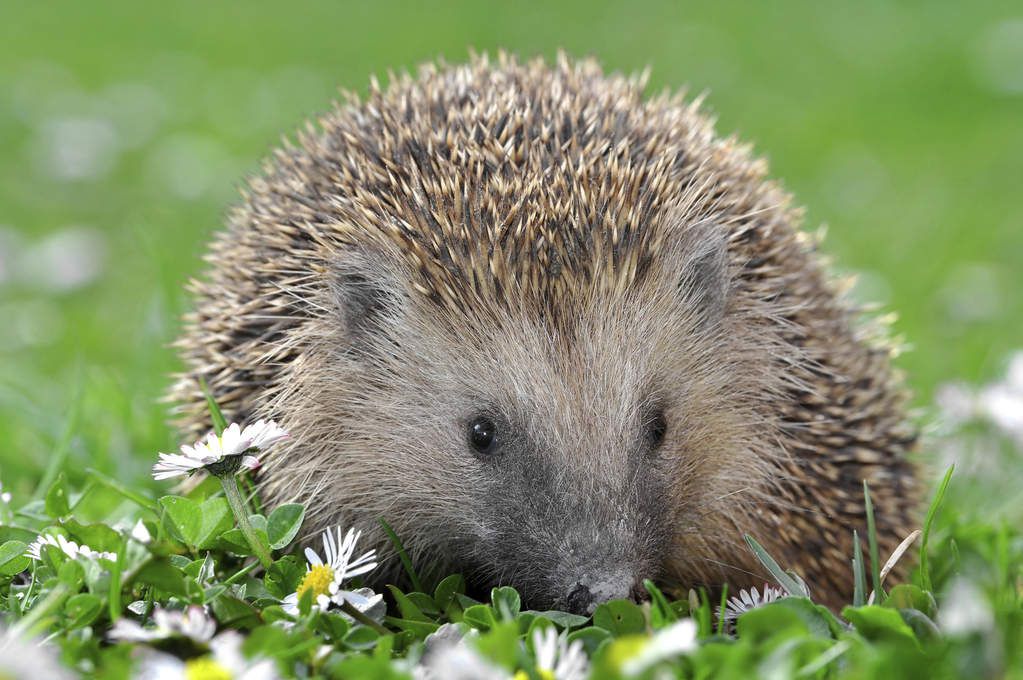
[[361, 637], [270, 641], [923, 627], [162, 575], [283, 576], [500, 645], [425, 604], [96, 536], [770, 622], [620, 617], [418, 629], [283, 524], [332, 625], [184, 516], [57, 504], [446, 590], [592, 638], [71, 573], [219, 422], [878, 623], [818, 619], [13, 559], [234, 613], [82, 609], [909, 596], [506, 602], [198, 524], [216, 519], [408, 608], [406, 562], [788, 584], [480, 616], [234, 541], [561, 619], [9, 533]]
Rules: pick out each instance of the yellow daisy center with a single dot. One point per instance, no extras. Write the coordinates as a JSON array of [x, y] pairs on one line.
[[205, 668], [318, 580], [542, 673], [625, 648]]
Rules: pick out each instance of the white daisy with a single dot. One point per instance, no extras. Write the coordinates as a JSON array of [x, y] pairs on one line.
[[458, 661], [22, 658], [140, 533], [324, 577], [226, 454], [69, 548], [668, 643], [748, 600], [225, 661], [965, 611], [192, 623], [556, 659]]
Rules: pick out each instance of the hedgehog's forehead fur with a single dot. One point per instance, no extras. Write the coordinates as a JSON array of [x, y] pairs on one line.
[[543, 243], [521, 184]]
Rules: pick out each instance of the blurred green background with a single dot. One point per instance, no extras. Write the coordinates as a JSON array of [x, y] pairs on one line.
[[125, 128]]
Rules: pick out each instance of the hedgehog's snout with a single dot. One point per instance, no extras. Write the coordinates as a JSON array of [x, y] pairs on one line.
[[585, 594]]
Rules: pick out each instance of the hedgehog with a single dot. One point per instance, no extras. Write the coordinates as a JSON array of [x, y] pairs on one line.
[[557, 333]]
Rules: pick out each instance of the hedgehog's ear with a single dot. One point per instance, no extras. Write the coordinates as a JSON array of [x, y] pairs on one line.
[[704, 281], [367, 293]]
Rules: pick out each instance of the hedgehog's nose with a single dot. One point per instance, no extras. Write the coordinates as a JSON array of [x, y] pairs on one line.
[[580, 600]]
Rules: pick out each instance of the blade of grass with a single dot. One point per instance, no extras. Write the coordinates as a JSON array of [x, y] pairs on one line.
[[706, 616], [898, 553], [932, 511], [402, 555], [859, 575], [875, 560], [58, 458], [788, 584], [219, 423], [721, 609]]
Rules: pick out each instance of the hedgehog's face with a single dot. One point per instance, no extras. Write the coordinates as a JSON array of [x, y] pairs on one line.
[[562, 458]]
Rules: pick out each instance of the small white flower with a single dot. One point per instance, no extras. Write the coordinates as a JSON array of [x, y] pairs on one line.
[[233, 449], [225, 661], [965, 610], [192, 623], [668, 643], [69, 548], [25, 659], [749, 600], [5, 496], [324, 576], [458, 661], [556, 659], [140, 533], [999, 403]]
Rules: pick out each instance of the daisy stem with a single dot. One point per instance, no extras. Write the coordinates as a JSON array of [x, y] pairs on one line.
[[347, 608], [241, 513]]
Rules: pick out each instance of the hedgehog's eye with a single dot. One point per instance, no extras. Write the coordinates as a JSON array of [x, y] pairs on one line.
[[657, 427], [482, 434]]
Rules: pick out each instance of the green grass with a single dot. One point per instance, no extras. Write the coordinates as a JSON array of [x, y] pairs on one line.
[[898, 126]]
